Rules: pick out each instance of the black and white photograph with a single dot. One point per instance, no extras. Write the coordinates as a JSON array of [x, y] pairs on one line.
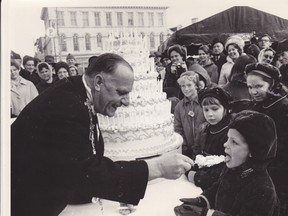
[[143, 108]]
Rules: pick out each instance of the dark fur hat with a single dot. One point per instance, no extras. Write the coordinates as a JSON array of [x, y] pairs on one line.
[[61, 65], [265, 69], [259, 132]]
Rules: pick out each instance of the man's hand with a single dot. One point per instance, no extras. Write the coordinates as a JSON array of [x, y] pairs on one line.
[[169, 166]]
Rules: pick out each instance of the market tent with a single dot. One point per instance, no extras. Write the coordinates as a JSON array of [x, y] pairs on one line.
[[235, 20]]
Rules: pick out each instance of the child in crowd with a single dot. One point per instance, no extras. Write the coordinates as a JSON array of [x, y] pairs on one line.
[[244, 187], [215, 103], [188, 114], [270, 96]]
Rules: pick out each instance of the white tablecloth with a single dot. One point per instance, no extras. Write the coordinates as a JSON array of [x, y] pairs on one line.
[[160, 199]]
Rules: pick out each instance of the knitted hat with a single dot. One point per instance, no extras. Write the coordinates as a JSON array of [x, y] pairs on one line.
[[70, 56], [202, 73], [61, 65], [235, 39], [223, 96], [259, 132], [265, 69]]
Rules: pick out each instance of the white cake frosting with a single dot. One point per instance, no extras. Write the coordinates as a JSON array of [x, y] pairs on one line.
[[144, 128]]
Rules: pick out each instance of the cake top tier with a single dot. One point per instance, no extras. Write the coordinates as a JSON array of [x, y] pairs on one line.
[[127, 43]]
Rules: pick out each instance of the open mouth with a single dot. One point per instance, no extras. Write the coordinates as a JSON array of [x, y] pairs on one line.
[[227, 158]]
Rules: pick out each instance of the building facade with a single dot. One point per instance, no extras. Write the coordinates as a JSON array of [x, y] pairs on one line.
[[81, 30]]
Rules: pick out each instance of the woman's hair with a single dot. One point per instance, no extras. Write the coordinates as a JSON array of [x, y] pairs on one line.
[[238, 70], [205, 49], [190, 76], [236, 46], [15, 64], [179, 49]]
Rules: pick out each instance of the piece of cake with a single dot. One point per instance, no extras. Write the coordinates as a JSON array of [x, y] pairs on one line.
[[208, 161]]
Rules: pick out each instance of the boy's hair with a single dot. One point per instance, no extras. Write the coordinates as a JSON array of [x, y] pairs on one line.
[[190, 76]]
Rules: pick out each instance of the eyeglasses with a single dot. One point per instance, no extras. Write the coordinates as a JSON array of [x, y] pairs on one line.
[[268, 57], [265, 40]]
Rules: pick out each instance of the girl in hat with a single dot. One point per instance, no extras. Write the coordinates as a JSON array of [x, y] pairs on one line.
[[270, 96], [215, 104], [244, 187], [188, 114]]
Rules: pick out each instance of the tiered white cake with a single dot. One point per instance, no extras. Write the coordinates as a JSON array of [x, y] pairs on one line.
[[145, 128]]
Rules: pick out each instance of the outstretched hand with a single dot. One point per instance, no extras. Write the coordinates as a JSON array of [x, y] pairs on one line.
[[169, 166]]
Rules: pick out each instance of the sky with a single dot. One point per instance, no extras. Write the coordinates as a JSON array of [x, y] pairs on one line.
[[25, 25]]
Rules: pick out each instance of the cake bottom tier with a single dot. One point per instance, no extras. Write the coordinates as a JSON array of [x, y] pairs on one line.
[[143, 149]]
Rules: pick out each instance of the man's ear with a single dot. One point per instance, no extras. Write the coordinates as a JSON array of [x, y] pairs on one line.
[[98, 80]]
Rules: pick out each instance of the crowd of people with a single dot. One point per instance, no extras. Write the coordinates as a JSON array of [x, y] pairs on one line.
[[31, 76], [206, 92], [229, 100]]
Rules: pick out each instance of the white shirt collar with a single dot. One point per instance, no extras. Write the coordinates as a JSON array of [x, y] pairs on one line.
[[88, 89]]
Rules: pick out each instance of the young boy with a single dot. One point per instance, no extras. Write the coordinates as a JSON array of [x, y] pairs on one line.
[[244, 187], [188, 114], [215, 103]]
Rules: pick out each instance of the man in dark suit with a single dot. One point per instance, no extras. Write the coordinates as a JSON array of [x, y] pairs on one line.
[[57, 147], [218, 57]]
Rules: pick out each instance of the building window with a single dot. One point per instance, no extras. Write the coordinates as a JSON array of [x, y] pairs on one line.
[[73, 18], [97, 19], [141, 19], [142, 34], [87, 42], [108, 18], [119, 18], [161, 38], [130, 19], [152, 40], [85, 16], [63, 44], [99, 40], [160, 19], [151, 19], [60, 18], [76, 42]]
